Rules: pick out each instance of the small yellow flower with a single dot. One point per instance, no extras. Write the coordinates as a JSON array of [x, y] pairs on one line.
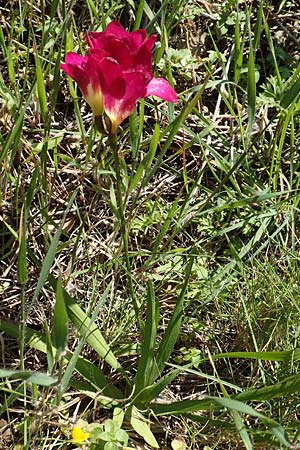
[[78, 435]]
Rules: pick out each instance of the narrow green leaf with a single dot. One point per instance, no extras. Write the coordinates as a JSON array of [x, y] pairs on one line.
[[258, 25], [190, 406], [238, 50], [84, 367], [96, 378], [251, 85], [153, 145], [241, 407], [31, 377], [22, 256], [146, 162], [291, 95], [49, 258], [139, 15], [149, 335], [272, 49], [287, 355], [163, 231], [50, 348], [12, 141], [56, 80], [241, 429], [172, 130], [150, 392], [138, 175], [87, 328], [284, 388], [54, 6], [171, 334], [85, 338], [182, 407], [41, 90], [10, 66], [60, 321], [93, 7]]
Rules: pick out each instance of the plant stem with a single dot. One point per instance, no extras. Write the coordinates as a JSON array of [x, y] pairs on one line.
[[123, 226]]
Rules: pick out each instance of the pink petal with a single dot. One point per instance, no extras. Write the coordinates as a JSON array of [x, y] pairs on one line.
[[111, 77], [85, 71], [75, 68], [118, 109], [143, 58], [118, 50], [74, 59], [135, 38], [161, 88], [114, 30]]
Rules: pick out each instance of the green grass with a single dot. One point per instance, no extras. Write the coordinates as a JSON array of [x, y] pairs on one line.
[[149, 284]]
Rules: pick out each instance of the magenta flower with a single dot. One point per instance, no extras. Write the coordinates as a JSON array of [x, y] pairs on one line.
[[116, 72]]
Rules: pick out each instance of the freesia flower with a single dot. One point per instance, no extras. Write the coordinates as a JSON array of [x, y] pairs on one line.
[[116, 72]]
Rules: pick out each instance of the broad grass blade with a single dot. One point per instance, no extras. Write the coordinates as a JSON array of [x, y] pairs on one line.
[[287, 355], [251, 85], [31, 377], [49, 258], [149, 336], [190, 406], [284, 388], [60, 322], [183, 407], [172, 332], [274, 426], [85, 368], [149, 393], [291, 95], [87, 328]]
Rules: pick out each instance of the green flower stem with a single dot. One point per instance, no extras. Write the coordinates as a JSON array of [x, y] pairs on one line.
[[123, 226]]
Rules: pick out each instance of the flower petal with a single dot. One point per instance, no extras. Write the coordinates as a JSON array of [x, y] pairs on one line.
[[143, 58], [75, 68], [74, 59], [161, 88], [85, 71], [114, 30], [119, 107]]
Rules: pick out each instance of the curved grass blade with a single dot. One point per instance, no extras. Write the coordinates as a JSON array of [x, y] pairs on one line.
[[85, 368], [291, 95], [149, 335], [287, 355], [49, 258], [172, 332], [86, 327], [60, 321], [31, 377], [284, 388], [190, 406], [241, 407], [152, 391]]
